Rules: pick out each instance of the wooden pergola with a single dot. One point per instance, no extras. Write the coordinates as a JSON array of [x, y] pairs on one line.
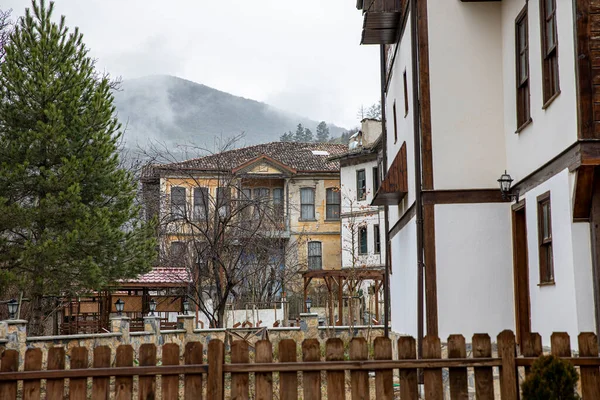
[[340, 278]]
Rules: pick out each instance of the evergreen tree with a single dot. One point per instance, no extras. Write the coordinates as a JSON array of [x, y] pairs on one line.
[[322, 132], [308, 135], [287, 137], [299, 135], [68, 218]]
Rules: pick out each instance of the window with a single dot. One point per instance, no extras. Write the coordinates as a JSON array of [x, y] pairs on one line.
[[363, 247], [178, 202], [314, 256], [395, 124], [377, 238], [278, 202], [549, 50], [223, 201], [361, 185], [545, 239], [200, 203], [261, 200], [177, 253], [522, 61], [333, 203], [375, 179], [307, 203], [245, 204], [405, 95]]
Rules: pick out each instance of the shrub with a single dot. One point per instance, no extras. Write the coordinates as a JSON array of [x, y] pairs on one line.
[[550, 378]]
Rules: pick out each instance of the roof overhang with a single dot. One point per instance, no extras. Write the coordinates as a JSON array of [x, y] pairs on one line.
[[267, 160], [381, 19], [395, 184]]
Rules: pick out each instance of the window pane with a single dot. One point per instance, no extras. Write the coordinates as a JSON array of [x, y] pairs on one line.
[[377, 238], [278, 196], [307, 201], [548, 7], [314, 255], [550, 41], [361, 186], [362, 240], [200, 203], [178, 201], [545, 221]]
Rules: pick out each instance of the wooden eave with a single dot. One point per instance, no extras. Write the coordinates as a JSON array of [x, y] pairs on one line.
[[381, 19], [266, 159], [395, 184]]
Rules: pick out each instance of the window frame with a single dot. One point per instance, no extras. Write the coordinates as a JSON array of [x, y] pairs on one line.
[[395, 123], [404, 77], [363, 241], [523, 91], [302, 205], [203, 200], [376, 182], [361, 192], [328, 205], [278, 207], [546, 251], [550, 69], [318, 257], [376, 239], [176, 258], [223, 195], [176, 212]]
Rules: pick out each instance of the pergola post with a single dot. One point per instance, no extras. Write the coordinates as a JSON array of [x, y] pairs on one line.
[[340, 301]]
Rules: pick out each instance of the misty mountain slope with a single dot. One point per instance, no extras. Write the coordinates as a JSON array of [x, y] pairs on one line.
[[176, 111]]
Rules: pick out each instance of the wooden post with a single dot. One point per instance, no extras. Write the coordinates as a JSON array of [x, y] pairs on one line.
[[55, 388], [101, 385], [432, 349], [459, 389], [334, 351], [359, 379], [79, 360], [384, 379], [590, 376], [9, 363], [124, 384], [484, 376], [377, 302], [509, 385], [407, 350], [170, 383], [264, 381], [147, 384], [239, 380], [33, 362], [531, 346], [193, 382], [311, 381], [216, 358], [340, 320], [305, 295], [288, 381]]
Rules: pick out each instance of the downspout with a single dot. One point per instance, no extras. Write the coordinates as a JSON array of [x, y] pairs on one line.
[[386, 283], [418, 174]]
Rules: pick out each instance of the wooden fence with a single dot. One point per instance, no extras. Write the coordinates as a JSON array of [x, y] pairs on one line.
[[189, 377]]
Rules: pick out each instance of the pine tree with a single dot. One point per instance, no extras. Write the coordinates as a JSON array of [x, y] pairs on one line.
[[68, 217], [308, 135], [287, 137], [299, 135], [322, 132]]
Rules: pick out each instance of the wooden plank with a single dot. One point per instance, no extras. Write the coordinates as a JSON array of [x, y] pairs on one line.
[[432, 349], [334, 351], [288, 381], [170, 383], [55, 388], [462, 196], [101, 385], [311, 381], [582, 201], [560, 344], [240, 380], [431, 303], [264, 381], [33, 362], [590, 376], [407, 350], [484, 376], [359, 379], [193, 382], [384, 379], [459, 389], [78, 386], [124, 384], [531, 346], [509, 385], [147, 384], [9, 362], [216, 358]]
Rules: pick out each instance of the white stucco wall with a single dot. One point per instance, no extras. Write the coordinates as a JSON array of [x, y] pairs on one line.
[[403, 280], [474, 269], [554, 128], [465, 66]]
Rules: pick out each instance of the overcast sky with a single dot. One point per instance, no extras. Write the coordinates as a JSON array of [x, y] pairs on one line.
[[299, 55]]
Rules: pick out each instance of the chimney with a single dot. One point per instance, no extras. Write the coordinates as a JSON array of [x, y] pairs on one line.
[[371, 130]]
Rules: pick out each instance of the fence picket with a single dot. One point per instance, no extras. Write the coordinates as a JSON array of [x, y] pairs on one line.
[[33, 362], [311, 381], [484, 376], [170, 383], [590, 376], [531, 346], [78, 386], [147, 384], [459, 389], [101, 385], [239, 380], [334, 351], [264, 381], [55, 388], [288, 381], [384, 379], [193, 382], [9, 363], [509, 384], [124, 384], [407, 350], [560, 344], [432, 378], [216, 358], [359, 351]]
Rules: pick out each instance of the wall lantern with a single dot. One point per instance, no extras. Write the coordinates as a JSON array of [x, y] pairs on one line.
[[186, 307], [505, 183], [119, 305], [308, 304], [152, 306], [13, 305]]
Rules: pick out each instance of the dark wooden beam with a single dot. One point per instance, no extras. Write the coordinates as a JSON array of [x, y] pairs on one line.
[[584, 188], [403, 221], [463, 196]]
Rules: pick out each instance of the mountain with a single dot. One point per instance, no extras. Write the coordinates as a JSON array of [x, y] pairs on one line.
[[173, 111]]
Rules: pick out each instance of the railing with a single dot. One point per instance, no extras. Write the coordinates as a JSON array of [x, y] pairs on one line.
[[233, 378]]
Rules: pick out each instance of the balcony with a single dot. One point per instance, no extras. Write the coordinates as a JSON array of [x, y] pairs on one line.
[[381, 20]]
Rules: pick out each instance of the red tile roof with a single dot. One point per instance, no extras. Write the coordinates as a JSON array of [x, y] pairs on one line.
[[161, 275]]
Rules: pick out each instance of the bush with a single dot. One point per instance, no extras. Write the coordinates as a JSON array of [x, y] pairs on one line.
[[550, 378]]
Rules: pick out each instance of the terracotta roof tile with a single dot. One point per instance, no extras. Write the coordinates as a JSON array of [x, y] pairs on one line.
[[163, 275]]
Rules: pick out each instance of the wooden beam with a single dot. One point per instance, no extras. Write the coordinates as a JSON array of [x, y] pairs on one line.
[[584, 188], [463, 196]]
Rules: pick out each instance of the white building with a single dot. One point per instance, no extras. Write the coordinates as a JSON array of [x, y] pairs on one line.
[[503, 85]]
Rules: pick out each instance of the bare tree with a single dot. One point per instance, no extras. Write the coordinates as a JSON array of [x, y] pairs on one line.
[[5, 29]]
